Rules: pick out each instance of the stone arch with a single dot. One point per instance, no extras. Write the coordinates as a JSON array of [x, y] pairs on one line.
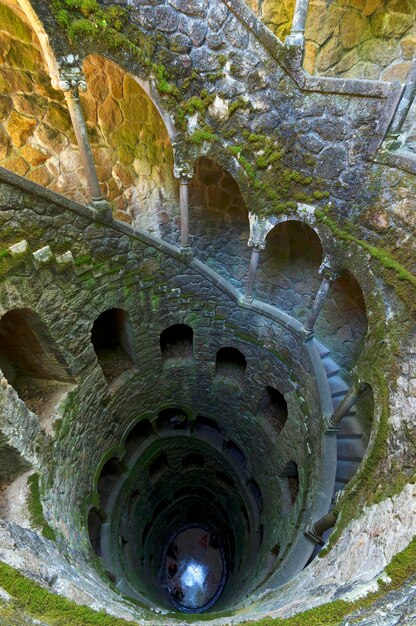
[[36, 136], [31, 362], [219, 221], [132, 147], [288, 269], [342, 324]]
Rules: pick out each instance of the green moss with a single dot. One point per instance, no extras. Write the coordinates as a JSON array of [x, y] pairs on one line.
[[384, 257], [240, 103], [34, 505], [85, 259], [199, 136], [50, 608]]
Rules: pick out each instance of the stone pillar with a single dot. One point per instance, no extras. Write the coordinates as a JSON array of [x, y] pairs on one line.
[[297, 33], [252, 272], [402, 111], [259, 229], [344, 406], [316, 531], [328, 277], [185, 175], [71, 82]]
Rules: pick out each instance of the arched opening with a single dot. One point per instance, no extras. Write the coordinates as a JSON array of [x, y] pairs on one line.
[[273, 407], [110, 338], [291, 475], [110, 474], [208, 429], [219, 221], [131, 147], [176, 342], [31, 363], [171, 418], [256, 493], [158, 465], [95, 521], [288, 274], [136, 436], [230, 363], [353, 437], [236, 456], [342, 323], [193, 460]]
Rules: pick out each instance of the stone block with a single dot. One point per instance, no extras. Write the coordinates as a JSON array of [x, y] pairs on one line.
[[18, 248], [65, 259], [391, 24], [20, 128], [354, 29], [43, 255]]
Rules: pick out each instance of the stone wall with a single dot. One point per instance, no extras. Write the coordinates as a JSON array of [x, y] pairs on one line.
[[373, 39]]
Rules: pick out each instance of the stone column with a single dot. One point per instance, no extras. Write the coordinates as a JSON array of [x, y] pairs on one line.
[[297, 33], [185, 175], [344, 406], [328, 277], [259, 229], [402, 111], [71, 82], [316, 531]]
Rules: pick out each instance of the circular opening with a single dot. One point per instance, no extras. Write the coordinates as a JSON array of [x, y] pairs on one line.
[[194, 569]]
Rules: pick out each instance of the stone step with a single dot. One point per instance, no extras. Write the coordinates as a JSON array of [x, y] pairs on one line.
[[331, 368], [350, 449], [350, 425], [337, 386], [346, 470], [322, 350]]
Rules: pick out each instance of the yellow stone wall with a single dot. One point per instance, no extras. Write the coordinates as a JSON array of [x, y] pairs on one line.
[[373, 39]]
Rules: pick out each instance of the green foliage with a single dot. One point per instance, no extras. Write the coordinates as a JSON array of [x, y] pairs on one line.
[[34, 505]]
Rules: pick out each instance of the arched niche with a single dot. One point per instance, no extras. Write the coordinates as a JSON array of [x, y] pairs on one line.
[[273, 407], [342, 323], [110, 338], [288, 268], [290, 475], [218, 219], [230, 363], [31, 362], [176, 342], [131, 147]]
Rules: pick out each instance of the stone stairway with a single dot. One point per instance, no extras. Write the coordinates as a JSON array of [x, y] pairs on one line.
[[350, 438]]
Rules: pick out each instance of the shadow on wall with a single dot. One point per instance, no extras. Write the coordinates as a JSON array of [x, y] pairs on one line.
[[219, 221]]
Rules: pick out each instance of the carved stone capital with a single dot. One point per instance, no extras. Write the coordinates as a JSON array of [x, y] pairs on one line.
[[327, 270], [70, 76], [259, 229], [183, 171]]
